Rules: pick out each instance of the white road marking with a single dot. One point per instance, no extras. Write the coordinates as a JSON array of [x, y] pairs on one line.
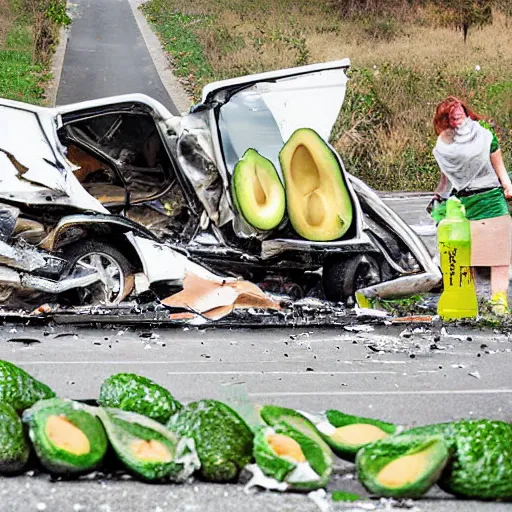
[[385, 393], [212, 361], [253, 372]]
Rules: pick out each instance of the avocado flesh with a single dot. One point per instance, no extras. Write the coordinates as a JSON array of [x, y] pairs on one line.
[[402, 466], [146, 448], [20, 389], [14, 448], [404, 470], [67, 438], [286, 447], [353, 432], [481, 463], [135, 393], [318, 202], [223, 440], [61, 432], [258, 193]]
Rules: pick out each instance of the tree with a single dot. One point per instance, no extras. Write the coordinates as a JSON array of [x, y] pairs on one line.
[[465, 14]]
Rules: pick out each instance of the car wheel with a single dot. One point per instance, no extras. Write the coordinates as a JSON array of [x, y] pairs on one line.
[[342, 277], [115, 270]]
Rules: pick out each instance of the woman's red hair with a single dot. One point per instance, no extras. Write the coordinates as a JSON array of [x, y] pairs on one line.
[[442, 115]]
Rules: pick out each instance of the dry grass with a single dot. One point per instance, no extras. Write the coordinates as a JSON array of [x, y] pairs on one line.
[[5, 21], [402, 67]]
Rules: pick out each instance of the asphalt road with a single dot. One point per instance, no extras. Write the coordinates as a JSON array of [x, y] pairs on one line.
[[380, 373], [106, 56]]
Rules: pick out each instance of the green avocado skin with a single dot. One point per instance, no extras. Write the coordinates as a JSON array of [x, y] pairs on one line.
[[224, 442], [57, 460], [20, 389], [481, 464], [135, 393], [14, 448], [375, 456], [339, 419]]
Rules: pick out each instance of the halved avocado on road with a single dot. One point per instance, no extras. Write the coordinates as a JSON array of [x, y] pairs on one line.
[[402, 466], [14, 448], [350, 433], [258, 193], [290, 456], [67, 438], [147, 448], [317, 198], [275, 415]]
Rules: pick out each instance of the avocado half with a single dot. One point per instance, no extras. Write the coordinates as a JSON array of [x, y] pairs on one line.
[[67, 438], [258, 193], [146, 448], [318, 202], [350, 433], [402, 466], [289, 455]]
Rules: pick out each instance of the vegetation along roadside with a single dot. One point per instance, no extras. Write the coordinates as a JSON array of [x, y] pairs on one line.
[[406, 56], [28, 36]]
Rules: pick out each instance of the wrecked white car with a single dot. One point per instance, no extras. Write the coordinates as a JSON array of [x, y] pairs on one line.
[[110, 198]]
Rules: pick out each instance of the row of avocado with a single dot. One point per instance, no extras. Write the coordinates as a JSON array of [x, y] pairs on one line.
[[316, 196], [156, 438]]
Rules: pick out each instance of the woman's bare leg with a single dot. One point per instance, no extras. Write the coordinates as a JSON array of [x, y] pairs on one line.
[[499, 279]]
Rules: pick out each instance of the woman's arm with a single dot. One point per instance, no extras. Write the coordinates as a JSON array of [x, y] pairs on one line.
[[501, 171], [442, 187]]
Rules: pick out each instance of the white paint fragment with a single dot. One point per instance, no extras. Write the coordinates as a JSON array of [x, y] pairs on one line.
[[260, 480], [319, 497]]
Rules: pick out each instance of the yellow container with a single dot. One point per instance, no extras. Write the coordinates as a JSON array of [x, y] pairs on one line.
[[458, 299]]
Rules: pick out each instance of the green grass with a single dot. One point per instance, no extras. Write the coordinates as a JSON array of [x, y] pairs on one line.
[[178, 39], [20, 78]]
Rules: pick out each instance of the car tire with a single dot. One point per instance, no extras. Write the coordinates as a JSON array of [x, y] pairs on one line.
[[113, 262], [342, 277]]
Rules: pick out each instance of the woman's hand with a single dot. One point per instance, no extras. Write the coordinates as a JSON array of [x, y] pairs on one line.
[[508, 191]]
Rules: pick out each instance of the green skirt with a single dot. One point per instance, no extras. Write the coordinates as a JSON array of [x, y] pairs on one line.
[[485, 205]]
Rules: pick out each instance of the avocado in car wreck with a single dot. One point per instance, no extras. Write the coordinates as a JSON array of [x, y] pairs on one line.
[[68, 439], [318, 202], [349, 433], [402, 466], [146, 448], [139, 394], [257, 191], [14, 448], [20, 389], [223, 440]]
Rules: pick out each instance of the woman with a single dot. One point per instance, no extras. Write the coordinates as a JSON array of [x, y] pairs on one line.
[[471, 163]]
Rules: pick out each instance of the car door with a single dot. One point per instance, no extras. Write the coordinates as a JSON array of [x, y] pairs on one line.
[[33, 170]]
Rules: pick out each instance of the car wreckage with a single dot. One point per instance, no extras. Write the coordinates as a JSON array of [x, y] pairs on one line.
[[106, 199]]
